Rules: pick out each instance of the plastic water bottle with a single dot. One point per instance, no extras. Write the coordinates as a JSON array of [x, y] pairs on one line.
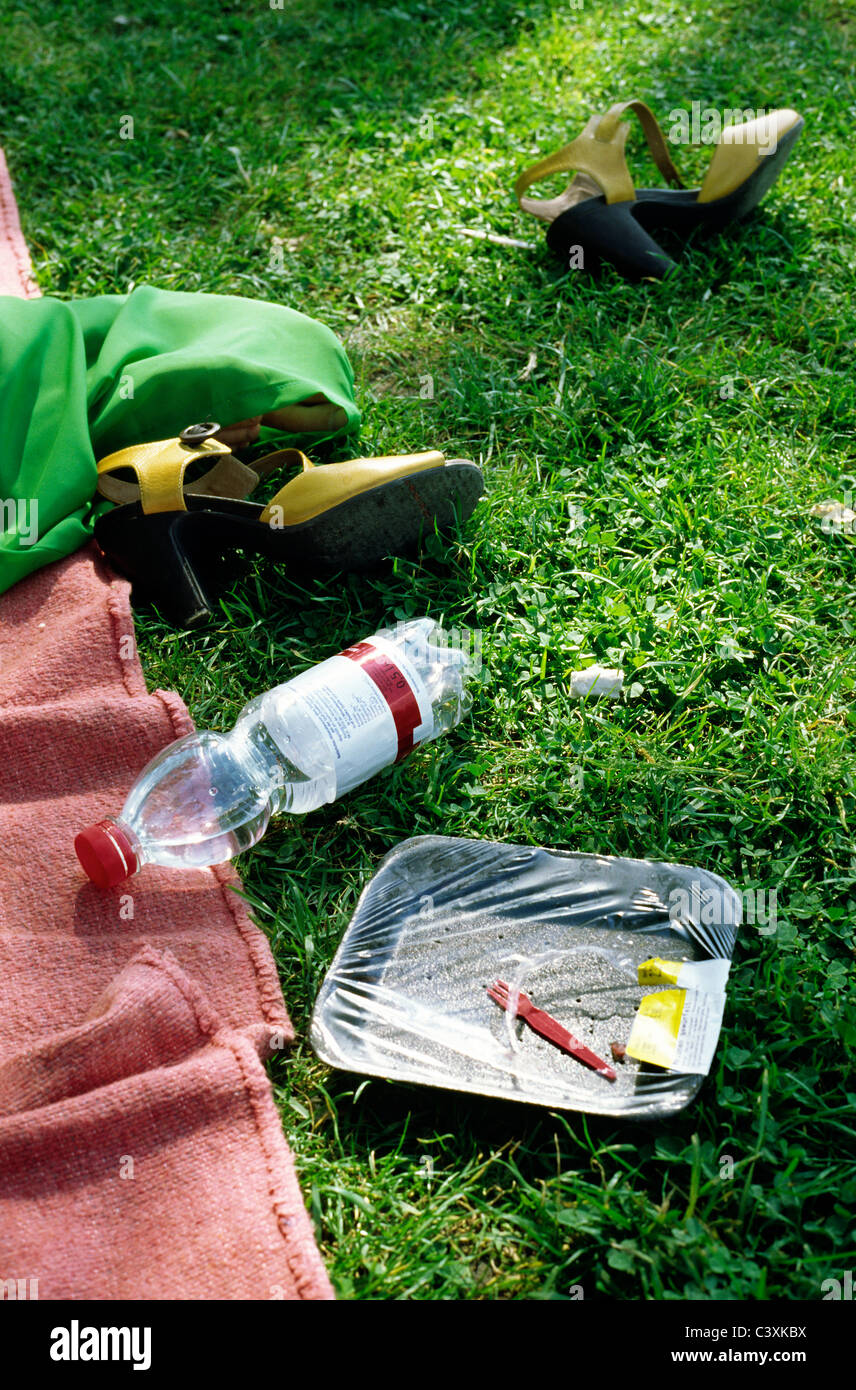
[[208, 796]]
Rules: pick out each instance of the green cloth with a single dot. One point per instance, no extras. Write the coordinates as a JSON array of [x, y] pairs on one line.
[[82, 378]]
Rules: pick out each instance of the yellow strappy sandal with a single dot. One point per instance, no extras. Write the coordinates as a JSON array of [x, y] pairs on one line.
[[171, 536], [602, 216]]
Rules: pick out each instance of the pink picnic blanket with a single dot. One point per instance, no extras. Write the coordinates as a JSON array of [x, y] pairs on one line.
[[141, 1154], [16, 271]]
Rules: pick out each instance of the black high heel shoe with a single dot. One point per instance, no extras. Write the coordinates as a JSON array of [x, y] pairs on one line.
[[604, 217], [172, 538]]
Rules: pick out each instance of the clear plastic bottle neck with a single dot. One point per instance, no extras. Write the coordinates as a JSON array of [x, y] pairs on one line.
[[272, 769], [264, 731]]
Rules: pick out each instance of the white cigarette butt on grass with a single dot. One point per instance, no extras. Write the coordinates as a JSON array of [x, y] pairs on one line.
[[596, 680], [834, 516]]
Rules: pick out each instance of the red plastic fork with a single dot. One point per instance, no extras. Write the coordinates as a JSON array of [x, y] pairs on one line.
[[547, 1027]]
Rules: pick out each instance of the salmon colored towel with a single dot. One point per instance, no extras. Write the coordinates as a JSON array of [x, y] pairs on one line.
[[16, 271], [141, 1154]]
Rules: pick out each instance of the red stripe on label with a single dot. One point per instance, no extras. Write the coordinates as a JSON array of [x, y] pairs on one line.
[[394, 688]]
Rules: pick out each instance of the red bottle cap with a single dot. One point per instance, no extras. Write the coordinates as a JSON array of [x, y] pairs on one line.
[[106, 853]]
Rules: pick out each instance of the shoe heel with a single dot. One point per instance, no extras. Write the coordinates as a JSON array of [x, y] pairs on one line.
[[608, 231], [155, 553]]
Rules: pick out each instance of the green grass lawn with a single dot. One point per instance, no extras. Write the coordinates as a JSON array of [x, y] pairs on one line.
[[651, 452]]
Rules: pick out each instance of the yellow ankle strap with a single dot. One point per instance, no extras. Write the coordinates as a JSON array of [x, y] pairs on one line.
[[599, 152], [160, 467]]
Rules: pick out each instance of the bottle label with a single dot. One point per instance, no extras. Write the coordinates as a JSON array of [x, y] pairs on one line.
[[371, 706]]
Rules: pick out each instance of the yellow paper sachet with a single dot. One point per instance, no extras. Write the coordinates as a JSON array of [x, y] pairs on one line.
[[654, 1036], [679, 1028], [659, 972], [708, 975]]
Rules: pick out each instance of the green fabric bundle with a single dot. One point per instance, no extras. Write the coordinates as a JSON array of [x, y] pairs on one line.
[[82, 378]]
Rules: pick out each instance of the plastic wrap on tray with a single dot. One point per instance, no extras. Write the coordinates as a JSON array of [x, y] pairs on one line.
[[442, 919]]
